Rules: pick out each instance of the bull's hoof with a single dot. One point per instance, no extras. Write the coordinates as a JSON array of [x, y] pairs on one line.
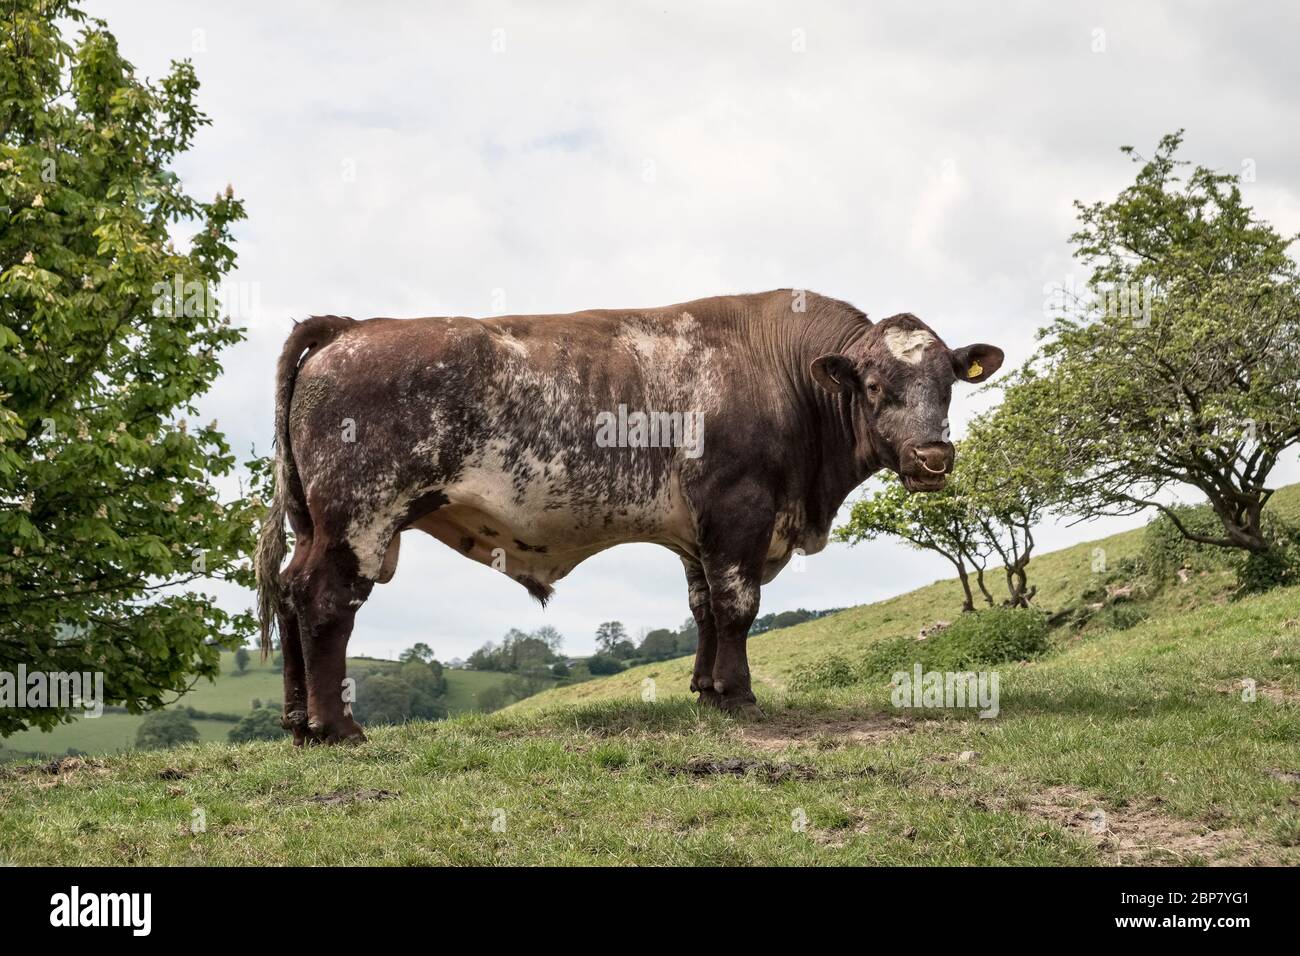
[[742, 708], [708, 697], [296, 722], [346, 732], [702, 684]]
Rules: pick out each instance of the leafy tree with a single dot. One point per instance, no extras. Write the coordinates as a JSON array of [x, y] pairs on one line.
[[382, 699], [549, 636], [560, 669], [609, 634], [428, 683], [1196, 386], [493, 698], [688, 637], [658, 645], [419, 652], [261, 724], [165, 728], [241, 659], [108, 332], [623, 650], [486, 658], [517, 651], [940, 521], [779, 619], [414, 690], [603, 663], [1011, 477], [531, 680]]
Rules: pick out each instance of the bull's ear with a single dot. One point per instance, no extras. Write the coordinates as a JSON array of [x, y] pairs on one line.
[[975, 363], [835, 373]]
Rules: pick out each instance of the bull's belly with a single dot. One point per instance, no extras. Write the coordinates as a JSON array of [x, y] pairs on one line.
[[536, 539]]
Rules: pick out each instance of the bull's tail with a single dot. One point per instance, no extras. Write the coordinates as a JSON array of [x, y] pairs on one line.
[[287, 497]]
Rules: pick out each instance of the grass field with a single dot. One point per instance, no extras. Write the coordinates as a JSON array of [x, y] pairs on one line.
[[1116, 747], [232, 693]]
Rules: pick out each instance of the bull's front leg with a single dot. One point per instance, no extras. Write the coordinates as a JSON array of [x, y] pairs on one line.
[[697, 585], [734, 547]]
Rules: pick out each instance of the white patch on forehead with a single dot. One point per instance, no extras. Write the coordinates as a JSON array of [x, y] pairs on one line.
[[908, 345]]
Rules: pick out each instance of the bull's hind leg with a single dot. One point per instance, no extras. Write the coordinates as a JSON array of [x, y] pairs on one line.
[[295, 678], [294, 670], [326, 596], [698, 596]]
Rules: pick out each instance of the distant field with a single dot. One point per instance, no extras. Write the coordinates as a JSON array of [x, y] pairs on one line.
[[111, 733], [231, 693], [464, 688]]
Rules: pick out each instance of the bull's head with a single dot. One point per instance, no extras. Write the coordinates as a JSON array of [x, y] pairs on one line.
[[899, 378]]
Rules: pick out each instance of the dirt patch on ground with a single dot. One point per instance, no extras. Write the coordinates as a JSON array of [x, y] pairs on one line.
[[340, 797], [768, 771], [825, 732], [740, 767], [1263, 690], [57, 772], [1140, 834]]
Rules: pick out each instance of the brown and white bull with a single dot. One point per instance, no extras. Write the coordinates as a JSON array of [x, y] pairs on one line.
[[729, 430]]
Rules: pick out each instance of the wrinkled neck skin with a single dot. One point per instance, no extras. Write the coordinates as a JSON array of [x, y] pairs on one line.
[[836, 459]]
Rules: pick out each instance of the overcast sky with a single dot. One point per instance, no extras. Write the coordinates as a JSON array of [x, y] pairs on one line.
[[406, 159]]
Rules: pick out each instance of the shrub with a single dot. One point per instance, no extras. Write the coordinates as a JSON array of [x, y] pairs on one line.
[[1165, 550], [1120, 617], [603, 663], [1278, 567], [831, 671], [261, 724], [885, 657], [991, 636], [165, 728]]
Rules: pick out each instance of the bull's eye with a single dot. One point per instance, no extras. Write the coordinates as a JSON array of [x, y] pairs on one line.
[[873, 389]]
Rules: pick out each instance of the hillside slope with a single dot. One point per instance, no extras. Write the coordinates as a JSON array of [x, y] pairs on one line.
[[1142, 745], [777, 656]]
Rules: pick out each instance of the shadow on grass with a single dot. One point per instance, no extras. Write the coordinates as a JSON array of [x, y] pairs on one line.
[[1118, 704]]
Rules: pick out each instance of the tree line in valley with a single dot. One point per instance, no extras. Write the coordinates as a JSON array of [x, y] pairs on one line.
[[1173, 366], [536, 656]]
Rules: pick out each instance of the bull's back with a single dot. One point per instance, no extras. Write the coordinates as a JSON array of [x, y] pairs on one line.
[[495, 426]]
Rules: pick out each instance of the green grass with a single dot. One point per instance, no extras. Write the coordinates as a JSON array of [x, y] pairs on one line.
[[464, 688], [1141, 735], [231, 693], [110, 733]]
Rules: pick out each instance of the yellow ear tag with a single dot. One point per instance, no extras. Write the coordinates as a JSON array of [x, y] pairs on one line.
[[975, 370]]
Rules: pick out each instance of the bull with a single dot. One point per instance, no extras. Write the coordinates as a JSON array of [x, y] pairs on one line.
[[730, 430]]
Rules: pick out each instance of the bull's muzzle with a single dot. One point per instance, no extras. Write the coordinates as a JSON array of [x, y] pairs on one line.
[[926, 467]]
